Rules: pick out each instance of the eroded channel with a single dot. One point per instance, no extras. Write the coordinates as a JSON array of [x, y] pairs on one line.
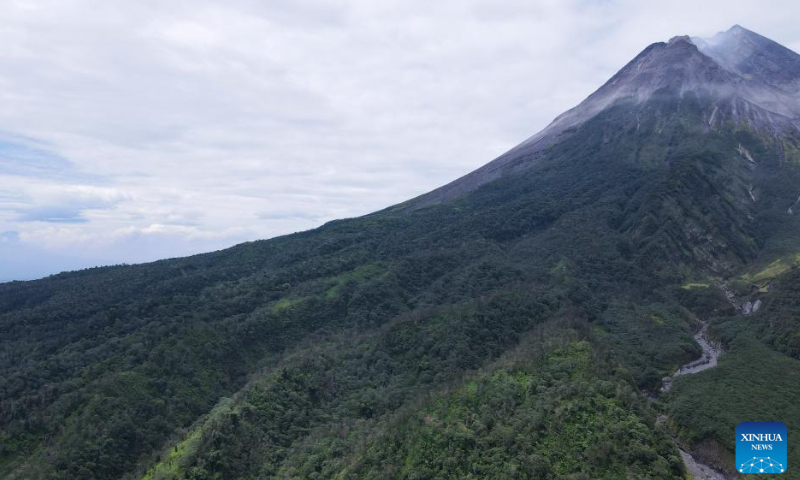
[[711, 352]]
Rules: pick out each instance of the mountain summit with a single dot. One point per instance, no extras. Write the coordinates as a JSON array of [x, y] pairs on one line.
[[740, 77], [514, 324], [753, 57]]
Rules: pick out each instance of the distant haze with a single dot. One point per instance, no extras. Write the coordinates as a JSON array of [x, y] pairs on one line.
[[132, 131]]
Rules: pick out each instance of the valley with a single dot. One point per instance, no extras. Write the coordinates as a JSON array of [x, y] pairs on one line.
[[708, 359]]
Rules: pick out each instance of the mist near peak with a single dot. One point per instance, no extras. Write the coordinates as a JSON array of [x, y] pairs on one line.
[[743, 77]]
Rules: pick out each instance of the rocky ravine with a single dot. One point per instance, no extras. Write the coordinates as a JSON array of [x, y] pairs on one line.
[[711, 352]]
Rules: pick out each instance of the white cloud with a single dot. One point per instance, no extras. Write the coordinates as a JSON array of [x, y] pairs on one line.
[[166, 128]]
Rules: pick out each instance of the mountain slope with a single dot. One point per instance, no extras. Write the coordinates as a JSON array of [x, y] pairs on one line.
[[505, 325], [742, 77]]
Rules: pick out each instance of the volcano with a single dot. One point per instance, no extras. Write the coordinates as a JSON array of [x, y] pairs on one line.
[[510, 324], [741, 80]]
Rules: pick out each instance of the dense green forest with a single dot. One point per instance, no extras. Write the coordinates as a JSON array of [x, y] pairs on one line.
[[758, 378], [514, 333]]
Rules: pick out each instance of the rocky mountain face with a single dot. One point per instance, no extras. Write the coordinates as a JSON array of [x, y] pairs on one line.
[[742, 80], [515, 323], [754, 58]]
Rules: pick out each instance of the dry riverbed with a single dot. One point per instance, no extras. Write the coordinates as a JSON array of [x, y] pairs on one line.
[[711, 352]]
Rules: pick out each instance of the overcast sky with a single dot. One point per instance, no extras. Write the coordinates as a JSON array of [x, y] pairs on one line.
[[132, 131]]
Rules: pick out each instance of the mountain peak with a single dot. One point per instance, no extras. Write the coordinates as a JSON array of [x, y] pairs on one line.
[[738, 29], [740, 77], [754, 57], [679, 38], [735, 32]]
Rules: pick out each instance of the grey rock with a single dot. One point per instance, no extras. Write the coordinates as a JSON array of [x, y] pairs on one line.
[[756, 306], [747, 308], [749, 79]]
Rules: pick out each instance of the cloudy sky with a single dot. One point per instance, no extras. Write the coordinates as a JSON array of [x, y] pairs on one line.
[[132, 131]]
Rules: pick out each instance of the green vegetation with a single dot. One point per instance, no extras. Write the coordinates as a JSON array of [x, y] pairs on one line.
[[171, 465], [550, 420], [773, 270], [510, 334], [359, 275], [752, 382]]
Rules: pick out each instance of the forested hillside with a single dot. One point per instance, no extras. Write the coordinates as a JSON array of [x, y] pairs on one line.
[[513, 332]]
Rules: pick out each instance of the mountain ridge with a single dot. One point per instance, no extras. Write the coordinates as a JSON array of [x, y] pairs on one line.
[[511, 331], [675, 68]]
